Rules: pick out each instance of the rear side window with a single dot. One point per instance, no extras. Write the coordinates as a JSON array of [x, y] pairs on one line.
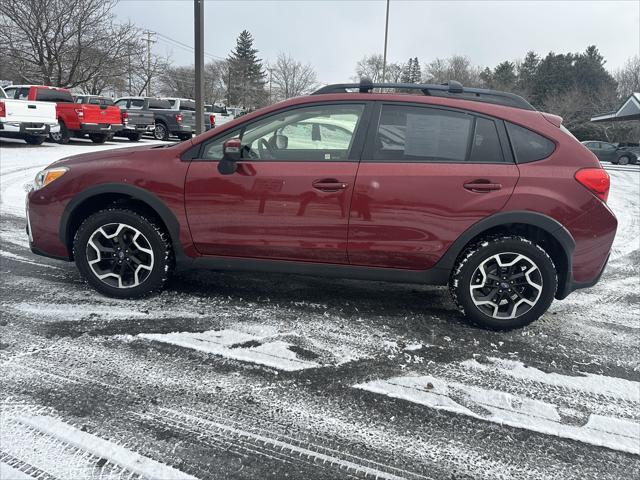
[[51, 95], [158, 104], [485, 146], [422, 134], [528, 146], [137, 104]]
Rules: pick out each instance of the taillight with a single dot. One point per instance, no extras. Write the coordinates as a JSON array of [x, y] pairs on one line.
[[3, 110], [212, 120], [125, 117], [80, 112], [596, 180], [179, 117]]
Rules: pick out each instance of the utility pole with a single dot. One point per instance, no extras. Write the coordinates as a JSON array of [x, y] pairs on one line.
[[149, 41], [386, 32], [198, 29]]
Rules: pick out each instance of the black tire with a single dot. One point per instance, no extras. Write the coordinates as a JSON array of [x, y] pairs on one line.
[[161, 132], [98, 137], [134, 137], [62, 137], [623, 160], [468, 270], [153, 238], [184, 136], [35, 139]]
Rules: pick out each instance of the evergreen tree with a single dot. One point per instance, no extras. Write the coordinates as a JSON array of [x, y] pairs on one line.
[[415, 75], [527, 73], [406, 71], [246, 76], [504, 76]]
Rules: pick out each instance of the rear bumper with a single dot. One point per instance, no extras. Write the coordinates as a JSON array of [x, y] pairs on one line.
[[20, 129], [139, 128], [100, 127], [182, 129], [594, 232]]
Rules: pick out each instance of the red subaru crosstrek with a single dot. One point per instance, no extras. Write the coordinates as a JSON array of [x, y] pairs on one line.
[[440, 184]]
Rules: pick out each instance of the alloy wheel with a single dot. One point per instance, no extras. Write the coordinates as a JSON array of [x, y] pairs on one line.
[[506, 285], [120, 255]]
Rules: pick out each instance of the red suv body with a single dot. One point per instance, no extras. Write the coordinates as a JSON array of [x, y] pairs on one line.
[[471, 188], [76, 119]]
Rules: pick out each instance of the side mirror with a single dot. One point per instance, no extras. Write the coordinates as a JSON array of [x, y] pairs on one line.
[[231, 149], [230, 155]]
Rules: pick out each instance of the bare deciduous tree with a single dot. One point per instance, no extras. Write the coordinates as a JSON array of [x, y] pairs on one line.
[[628, 77], [290, 78], [67, 43], [457, 68]]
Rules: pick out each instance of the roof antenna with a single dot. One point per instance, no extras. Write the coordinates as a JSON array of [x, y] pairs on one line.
[[366, 85]]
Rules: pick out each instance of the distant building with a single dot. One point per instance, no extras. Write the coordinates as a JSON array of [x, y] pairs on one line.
[[630, 110]]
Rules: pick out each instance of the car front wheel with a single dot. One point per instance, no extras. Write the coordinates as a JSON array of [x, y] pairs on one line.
[[122, 253], [504, 282]]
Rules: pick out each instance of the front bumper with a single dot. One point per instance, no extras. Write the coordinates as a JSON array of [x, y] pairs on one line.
[[100, 127]]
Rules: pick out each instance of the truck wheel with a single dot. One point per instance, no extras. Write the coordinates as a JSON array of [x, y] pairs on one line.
[[184, 136], [62, 137], [134, 137], [122, 253], [34, 139], [503, 282], [161, 132], [98, 137]]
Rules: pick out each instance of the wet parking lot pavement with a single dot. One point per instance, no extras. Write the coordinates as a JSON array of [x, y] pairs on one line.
[[229, 375]]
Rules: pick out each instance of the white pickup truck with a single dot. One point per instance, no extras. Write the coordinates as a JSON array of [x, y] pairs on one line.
[[31, 121]]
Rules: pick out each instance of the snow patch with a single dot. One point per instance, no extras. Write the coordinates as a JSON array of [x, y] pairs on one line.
[[125, 458], [236, 345], [598, 384], [508, 409]]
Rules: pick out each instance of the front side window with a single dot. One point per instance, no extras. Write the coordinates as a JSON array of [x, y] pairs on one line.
[[528, 146], [317, 133], [407, 133], [136, 104]]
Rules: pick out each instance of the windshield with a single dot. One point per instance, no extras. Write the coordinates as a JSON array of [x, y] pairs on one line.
[[2, 94]]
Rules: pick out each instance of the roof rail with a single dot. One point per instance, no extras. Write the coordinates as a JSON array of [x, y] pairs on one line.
[[451, 89]]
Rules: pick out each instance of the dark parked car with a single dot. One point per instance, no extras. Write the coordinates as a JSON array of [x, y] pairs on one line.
[[467, 187], [623, 153], [168, 121], [627, 153], [135, 119]]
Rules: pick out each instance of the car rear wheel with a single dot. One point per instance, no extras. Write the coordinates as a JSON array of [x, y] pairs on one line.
[[624, 160], [504, 282], [161, 132], [34, 139], [122, 253], [98, 137], [62, 136]]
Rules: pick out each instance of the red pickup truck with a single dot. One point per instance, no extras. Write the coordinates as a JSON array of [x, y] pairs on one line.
[[76, 120]]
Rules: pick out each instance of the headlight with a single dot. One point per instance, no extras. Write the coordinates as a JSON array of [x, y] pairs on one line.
[[45, 177]]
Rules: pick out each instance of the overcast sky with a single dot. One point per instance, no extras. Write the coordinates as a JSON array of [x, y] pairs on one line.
[[333, 35]]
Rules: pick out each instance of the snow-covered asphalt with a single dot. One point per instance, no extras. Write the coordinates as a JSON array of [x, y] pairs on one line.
[[248, 376]]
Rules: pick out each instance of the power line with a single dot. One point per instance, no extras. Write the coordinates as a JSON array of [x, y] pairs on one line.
[[187, 46]]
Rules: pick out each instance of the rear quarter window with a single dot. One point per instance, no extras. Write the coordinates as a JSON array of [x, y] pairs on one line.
[[528, 146], [51, 95]]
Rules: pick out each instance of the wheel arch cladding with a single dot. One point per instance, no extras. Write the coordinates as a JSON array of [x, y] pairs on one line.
[[97, 198], [551, 235]]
